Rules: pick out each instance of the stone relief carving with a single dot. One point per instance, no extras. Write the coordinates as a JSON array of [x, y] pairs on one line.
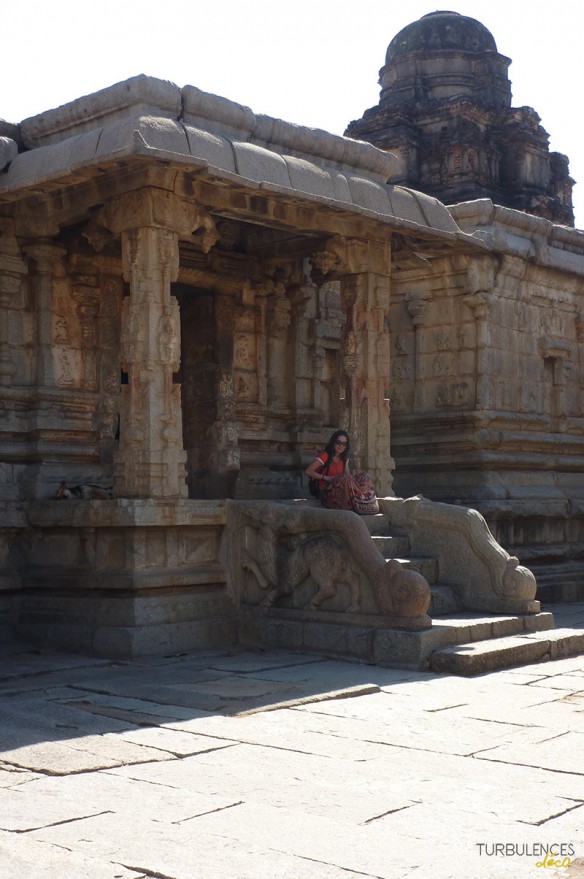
[[169, 336], [65, 369], [484, 576], [315, 560], [280, 570], [62, 335], [456, 394], [443, 365], [400, 370], [340, 256]]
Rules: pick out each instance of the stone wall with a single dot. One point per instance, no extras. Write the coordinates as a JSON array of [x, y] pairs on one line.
[[487, 386]]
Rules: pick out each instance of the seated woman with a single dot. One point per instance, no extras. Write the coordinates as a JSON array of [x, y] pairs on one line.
[[338, 489]]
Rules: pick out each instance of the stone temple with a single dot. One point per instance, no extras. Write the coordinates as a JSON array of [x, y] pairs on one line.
[[194, 296]]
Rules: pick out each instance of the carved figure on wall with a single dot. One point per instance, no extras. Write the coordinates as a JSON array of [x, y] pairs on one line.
[[65, 369], [61, 332], [168, 336]]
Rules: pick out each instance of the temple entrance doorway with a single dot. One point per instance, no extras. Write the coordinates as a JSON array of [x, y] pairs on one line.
[[199, 376]]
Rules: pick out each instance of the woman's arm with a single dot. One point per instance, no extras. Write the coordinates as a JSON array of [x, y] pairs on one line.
[[313, 470]]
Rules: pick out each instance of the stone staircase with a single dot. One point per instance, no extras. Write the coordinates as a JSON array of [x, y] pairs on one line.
[[466, 642]]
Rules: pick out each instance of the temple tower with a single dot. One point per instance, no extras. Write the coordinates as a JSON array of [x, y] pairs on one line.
[[445, 109]]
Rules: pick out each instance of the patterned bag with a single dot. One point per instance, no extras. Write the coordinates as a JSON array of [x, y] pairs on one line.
[[365, 501]]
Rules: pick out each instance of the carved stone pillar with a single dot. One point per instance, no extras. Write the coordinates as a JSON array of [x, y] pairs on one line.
[[363, 269], [45, 256], [150, 461], [11, 277]]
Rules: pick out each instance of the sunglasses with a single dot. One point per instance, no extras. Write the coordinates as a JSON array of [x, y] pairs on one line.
[[340, 442]]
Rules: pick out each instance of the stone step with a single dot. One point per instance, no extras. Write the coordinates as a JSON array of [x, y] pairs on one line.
[[428, 568], [512, 650], [471, 626], [377, 525], [443, 601], [392, 546]]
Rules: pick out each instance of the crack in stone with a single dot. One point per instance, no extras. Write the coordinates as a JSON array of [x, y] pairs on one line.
[[425, 750], [445, 708], [579, 804], [346, 870], [268, 668], [210, 812], [506, 722], [121, 714], [149, 874], [528, 765], [58, 823], [53, 774], [390, 812], [557, 736]]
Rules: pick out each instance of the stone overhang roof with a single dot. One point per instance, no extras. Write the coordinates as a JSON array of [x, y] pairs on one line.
[[146, 118], [516, 233]]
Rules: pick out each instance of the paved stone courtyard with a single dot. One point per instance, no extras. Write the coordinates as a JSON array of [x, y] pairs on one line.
[[268, 765]]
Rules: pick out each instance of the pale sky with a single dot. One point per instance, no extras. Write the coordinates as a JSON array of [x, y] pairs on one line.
[[313, 62]]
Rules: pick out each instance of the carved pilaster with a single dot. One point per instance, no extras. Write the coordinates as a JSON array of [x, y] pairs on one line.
[[108, 359], [86, 296], [556, 353], [44, 256], [417, 307], [481, 303], [227, 434], [308, 358], [481, 280], [277, 323], [11, 278]]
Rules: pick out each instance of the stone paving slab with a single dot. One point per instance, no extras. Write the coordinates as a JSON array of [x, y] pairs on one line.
[[185, 851], [287, 780], [84, 754], [24, 858], [381, 785], [12, 776], [52, 800], [562, 753], [307, 768]]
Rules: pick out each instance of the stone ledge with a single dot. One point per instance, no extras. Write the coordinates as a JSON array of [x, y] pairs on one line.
[[125, 513], [206, 575]]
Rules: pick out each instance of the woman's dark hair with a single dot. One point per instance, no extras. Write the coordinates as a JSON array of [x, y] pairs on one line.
[[330, 446]]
